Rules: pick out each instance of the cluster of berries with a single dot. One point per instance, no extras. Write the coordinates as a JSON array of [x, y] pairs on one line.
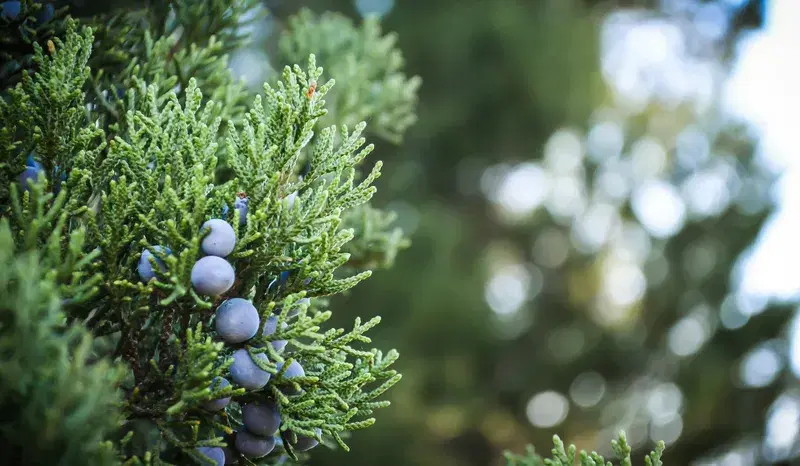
[[10, 11], [237, 321]]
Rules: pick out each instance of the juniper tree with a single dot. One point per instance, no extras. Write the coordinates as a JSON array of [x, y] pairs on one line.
[[163, 230], [123, 135]]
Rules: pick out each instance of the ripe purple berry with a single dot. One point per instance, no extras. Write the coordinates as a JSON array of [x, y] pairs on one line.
[[212, 276], [31, 162], [45, 14], [253, 446], [237, 320], [10, 10], [246, 373], [269, 329], [231, 455], [215, 453], [261, 419], [218, 383], [305, 443], [241, 204], [294, 370], [296, 309], [221, 240], [29, 176], [145, 268]]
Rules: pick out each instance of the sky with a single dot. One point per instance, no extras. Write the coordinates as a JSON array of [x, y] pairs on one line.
[[763, 90]]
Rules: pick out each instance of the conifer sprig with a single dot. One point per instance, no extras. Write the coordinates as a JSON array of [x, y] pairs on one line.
[[58, 406], [566, 455], [368, 61], [147, 183]]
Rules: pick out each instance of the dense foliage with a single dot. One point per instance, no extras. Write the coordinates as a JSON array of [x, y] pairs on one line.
[[160, 220]]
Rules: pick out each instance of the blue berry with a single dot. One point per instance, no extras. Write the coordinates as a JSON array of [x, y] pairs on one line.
[[261, 419], [253, 446], [241, 204], [31, 162], [146, 272], [45, 14], [10, 10], [246, 373], [215, 453], [269, 329], [218, 383], [295, 309], [305, 443], [283, 278], [237, 320], [231, 455], [294, 370], [300, 302], [221, 240], [29, 176], [212, 276]]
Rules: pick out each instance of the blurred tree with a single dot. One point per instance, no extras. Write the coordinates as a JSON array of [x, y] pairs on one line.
[[619, 222]]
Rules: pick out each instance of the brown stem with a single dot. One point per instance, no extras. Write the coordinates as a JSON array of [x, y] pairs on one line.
[[130, 355], [163, 344]]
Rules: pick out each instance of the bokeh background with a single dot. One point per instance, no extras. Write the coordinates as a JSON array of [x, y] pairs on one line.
[[604, 202]]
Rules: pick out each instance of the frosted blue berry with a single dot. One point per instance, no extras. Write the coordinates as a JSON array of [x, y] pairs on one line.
[[231, 455], [29, 176], [218, 383], [305, 443], [45, 14], [215, 453], [261, 419], [294, 370], [269, 329], [246, 373], [221, 240], [283, 278], [31, 162], [253, 446], [146, 272], [212, 276], [10, 10], [237, 320], [241, 205], [296, 309]]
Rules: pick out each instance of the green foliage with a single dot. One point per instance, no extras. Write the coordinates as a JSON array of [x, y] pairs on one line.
[[369, 63], [168, 45], [142, 171], [58, 405], [372, 87], [562, 456], [18, 35], [377, 241]]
